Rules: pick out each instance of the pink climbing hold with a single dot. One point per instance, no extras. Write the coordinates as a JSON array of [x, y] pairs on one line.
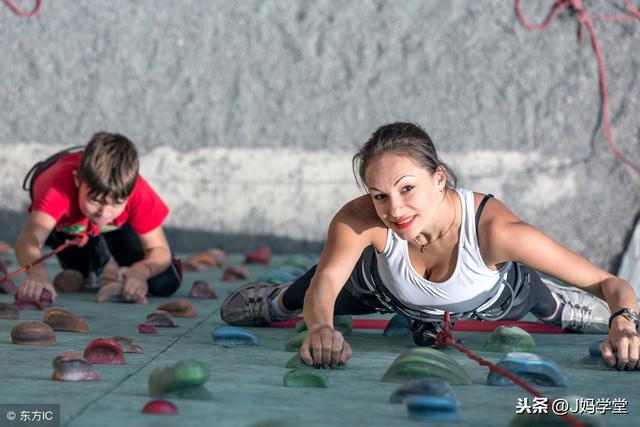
[[146, 328], [160, 407], [44, 301]]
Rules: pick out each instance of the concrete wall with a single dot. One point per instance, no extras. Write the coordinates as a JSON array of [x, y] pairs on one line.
[[247, 113]]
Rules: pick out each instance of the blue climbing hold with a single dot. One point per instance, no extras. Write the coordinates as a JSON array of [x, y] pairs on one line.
[[397, 326], [430, 408], [533, 369], [229, 336], [434, 387]]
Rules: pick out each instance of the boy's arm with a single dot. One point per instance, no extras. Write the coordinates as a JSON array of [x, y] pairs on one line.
[[157, 257], [29, 248]]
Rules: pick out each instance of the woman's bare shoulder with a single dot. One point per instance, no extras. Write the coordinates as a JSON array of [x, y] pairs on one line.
[[360, 215]]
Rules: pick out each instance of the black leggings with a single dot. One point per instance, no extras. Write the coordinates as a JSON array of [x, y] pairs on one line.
[[126, 249], [533, 296]]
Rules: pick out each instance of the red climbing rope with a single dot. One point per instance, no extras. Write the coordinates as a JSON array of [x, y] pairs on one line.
[[81, 240], [445, 338], [585, 20], [21, 12]]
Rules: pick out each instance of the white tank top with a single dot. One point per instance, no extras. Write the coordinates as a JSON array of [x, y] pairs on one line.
[[471, 286]]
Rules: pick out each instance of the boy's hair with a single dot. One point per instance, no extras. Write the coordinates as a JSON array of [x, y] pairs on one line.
[[109, 166]]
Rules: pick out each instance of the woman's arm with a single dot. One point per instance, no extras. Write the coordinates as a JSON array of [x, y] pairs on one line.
[[505, 238], [349, 234]]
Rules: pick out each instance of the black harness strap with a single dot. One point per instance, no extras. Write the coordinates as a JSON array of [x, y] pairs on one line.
[[38, 168], [484, 201]]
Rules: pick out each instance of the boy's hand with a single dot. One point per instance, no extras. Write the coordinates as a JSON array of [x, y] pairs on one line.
[[135, 283], [32, 288]]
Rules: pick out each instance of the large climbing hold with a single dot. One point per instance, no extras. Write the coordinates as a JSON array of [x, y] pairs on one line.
[[305, 378], [70, 366], [202, 289], [422, 363], [183, 380], [33, 333], [63, 320], [69, 281], [433, 387], [104, 351], [531, 368], [229, 336], [179, 308], [507, 339]]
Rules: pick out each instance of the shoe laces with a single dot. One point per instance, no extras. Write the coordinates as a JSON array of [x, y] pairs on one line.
[[580, 315], [254, 308]]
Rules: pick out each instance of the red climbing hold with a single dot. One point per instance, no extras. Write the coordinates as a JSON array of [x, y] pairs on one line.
[[104, 351], [160, 407]]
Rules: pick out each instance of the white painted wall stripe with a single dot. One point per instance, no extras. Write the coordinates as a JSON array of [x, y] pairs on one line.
[[285, 192]]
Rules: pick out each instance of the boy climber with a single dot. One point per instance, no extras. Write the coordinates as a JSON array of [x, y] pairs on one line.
[[97, 190]]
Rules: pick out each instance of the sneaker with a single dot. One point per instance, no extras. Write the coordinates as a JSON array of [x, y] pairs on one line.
[[582, 312], [249, 304]]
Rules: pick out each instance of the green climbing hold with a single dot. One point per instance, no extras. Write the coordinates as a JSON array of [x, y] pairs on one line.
[[305, 378], [506, 339], [342, 323], [296, 362], [296, 341], [300, 261], [421, 363], [184, 380]]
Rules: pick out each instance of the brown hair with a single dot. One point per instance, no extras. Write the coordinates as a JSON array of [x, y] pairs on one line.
[[109, 166], [404, 139]]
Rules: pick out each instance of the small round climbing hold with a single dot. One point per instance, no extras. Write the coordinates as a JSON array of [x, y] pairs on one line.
[[160, 407]]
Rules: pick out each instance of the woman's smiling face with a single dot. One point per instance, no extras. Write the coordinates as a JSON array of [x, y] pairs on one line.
[[404, 194]]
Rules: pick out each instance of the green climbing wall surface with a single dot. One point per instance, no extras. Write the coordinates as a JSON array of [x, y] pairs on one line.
[[247, 382]]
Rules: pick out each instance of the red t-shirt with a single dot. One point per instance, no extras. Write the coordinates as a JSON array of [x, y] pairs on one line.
[[55, 193]]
